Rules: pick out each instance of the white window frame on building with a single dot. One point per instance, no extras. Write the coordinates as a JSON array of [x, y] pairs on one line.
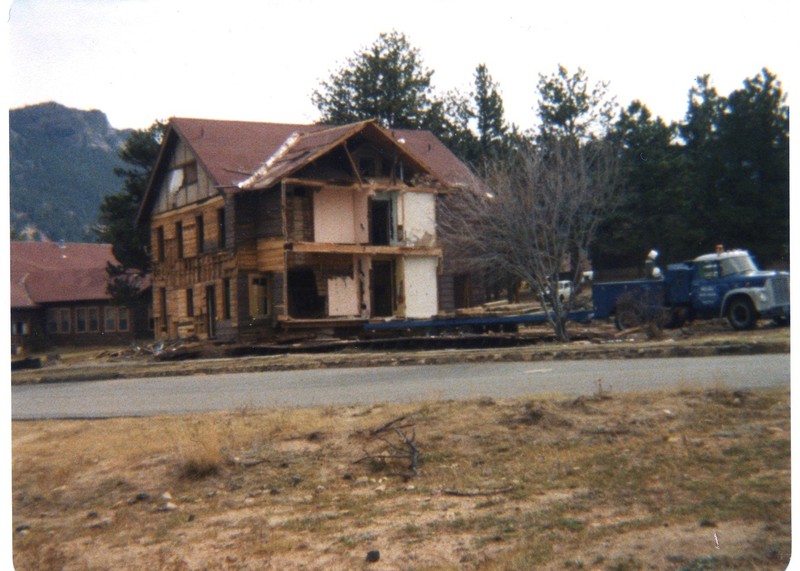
[[114, 321], [59, 321]]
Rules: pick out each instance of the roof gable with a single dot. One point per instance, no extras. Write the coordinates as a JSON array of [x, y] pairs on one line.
[[233, 152], [303, 148]]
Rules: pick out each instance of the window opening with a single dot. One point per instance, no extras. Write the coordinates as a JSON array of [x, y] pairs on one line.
[[304, 299], [80, 320], [179, 238], [226, 298], [201, 234], [382, 226]]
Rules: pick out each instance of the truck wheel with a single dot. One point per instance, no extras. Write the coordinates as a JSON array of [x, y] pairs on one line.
[[741, 314]]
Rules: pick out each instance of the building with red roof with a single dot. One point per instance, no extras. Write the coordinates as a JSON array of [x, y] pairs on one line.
[[58, 296], [259, 228]]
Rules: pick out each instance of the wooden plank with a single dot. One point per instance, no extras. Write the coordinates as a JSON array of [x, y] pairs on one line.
[[214, 202], [271, 256], [314, 247]]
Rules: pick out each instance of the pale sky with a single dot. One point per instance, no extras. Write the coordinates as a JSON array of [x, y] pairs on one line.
[[141, 60]]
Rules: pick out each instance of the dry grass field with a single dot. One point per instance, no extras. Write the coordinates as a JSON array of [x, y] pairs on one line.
[[686, 480]]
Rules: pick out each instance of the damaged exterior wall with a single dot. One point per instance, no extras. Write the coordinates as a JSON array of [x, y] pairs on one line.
[[343, 297], [340, 216], [419, 282], [418, 216], [318, 246]]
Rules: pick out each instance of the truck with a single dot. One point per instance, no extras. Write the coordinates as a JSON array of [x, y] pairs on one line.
[[725, 284]]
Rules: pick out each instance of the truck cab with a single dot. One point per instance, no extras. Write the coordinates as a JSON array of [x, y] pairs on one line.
[[729, 284], [723, 284]]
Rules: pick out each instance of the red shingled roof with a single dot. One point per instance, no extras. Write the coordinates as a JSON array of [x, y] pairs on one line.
[[43, 272], [233, 151]]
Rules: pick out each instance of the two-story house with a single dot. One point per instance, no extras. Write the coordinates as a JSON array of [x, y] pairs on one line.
[[264, 227]]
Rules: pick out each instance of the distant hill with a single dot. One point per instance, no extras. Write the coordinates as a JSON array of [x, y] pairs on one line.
[[62, 165]]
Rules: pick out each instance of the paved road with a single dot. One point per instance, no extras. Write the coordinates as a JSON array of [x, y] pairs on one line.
[[179, 395]]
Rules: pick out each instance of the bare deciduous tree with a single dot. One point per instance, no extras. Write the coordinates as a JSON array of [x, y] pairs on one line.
[[534, 216]]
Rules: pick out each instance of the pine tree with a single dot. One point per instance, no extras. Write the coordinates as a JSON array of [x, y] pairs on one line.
[[489, 112], [117, 219], [386, 81]]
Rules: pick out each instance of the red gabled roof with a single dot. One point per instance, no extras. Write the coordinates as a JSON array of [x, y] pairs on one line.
[[233, 151], [46, 272]]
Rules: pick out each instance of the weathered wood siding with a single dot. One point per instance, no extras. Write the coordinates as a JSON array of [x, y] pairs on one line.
[[177, 189], [271, 255]]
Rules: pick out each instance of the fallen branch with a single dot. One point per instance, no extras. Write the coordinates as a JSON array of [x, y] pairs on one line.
[[405, 451], [388, 425], [413, 451]]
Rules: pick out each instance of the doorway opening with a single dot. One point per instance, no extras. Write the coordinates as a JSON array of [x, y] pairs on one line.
[[304, 300], [380, 212], [382, 288]]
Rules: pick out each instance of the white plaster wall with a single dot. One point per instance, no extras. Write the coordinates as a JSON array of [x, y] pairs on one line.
[[342, 297], [334, 216], [419, 218], [419, 279]]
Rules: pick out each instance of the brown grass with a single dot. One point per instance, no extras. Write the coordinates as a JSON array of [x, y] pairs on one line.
[[682, 480]]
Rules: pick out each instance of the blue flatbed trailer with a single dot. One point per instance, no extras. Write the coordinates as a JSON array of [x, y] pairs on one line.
[[493, 322]]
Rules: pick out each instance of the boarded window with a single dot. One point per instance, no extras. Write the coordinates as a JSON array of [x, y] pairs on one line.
[[190, 173], [189, 302], [260, 297]]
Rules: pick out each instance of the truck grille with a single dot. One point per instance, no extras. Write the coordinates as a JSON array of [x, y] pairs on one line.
[[780, 290]]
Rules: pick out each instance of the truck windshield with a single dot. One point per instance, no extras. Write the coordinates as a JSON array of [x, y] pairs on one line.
[[737, 265]]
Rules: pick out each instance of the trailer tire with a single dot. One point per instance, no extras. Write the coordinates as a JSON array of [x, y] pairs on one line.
[[626, 316], [741, 313]]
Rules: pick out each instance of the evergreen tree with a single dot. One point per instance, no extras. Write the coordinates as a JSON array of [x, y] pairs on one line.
[[117, 219], [569, 108], [753, 139], [651, 212], [737, 166], [489, 112], [385, 81]]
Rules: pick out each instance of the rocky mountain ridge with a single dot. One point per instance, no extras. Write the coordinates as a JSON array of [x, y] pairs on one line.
[[62, 163]]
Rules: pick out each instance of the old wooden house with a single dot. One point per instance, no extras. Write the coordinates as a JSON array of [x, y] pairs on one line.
[[258, 228]]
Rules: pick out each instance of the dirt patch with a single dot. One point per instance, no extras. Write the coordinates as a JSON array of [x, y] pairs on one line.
[[675, 480]]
